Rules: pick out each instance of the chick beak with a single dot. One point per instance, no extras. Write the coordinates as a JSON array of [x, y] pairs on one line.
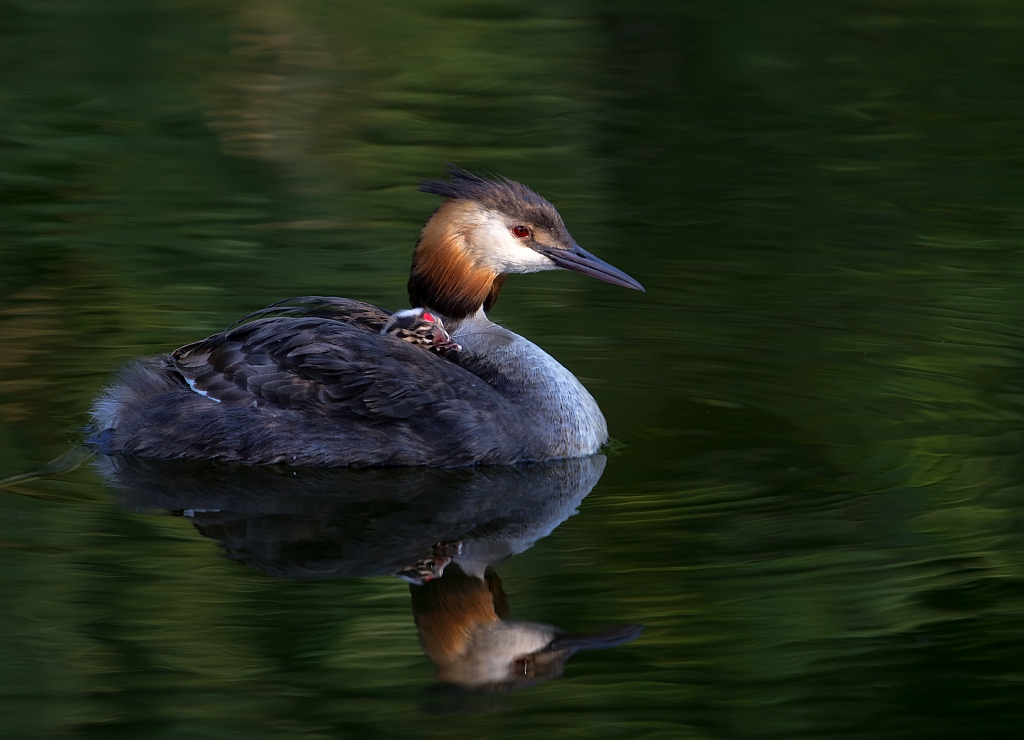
[[440, 335], [443, 341]]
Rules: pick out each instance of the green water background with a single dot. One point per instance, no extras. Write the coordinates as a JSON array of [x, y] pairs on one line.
[[815, 502]]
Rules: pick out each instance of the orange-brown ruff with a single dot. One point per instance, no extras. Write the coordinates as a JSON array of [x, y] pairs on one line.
[[444, 271], [320, 381]]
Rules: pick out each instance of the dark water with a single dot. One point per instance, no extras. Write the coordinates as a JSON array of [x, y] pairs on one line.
[[814, 499]]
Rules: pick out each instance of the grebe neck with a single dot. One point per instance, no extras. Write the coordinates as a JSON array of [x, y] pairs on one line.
[[566, 416], [448, 275]]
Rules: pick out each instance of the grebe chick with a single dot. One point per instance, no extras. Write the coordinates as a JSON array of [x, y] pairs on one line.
[[330, 382], [420, 328]]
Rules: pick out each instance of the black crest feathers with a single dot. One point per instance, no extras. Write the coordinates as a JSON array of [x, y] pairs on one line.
[[464, 184], [498, 193]]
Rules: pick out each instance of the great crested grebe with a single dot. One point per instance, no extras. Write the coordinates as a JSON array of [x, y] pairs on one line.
[[330, 381]]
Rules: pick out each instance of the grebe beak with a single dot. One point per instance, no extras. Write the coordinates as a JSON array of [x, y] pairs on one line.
[[578, 259]]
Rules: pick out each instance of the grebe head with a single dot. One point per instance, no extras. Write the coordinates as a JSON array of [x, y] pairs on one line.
[[485, 230]]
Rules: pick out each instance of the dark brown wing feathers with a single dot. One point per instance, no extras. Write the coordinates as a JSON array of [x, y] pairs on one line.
[[324, 388], [318, 364]]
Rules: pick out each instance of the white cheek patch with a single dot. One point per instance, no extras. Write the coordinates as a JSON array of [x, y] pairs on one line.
[[502, 252]]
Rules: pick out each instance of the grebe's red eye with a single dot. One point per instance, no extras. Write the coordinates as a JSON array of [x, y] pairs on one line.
[[428, 317], [520, 232]]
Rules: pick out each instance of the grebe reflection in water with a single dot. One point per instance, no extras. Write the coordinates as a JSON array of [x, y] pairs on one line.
[[441, 529]]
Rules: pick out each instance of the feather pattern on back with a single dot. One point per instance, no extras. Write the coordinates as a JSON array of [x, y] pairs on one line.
[[311, 391]]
